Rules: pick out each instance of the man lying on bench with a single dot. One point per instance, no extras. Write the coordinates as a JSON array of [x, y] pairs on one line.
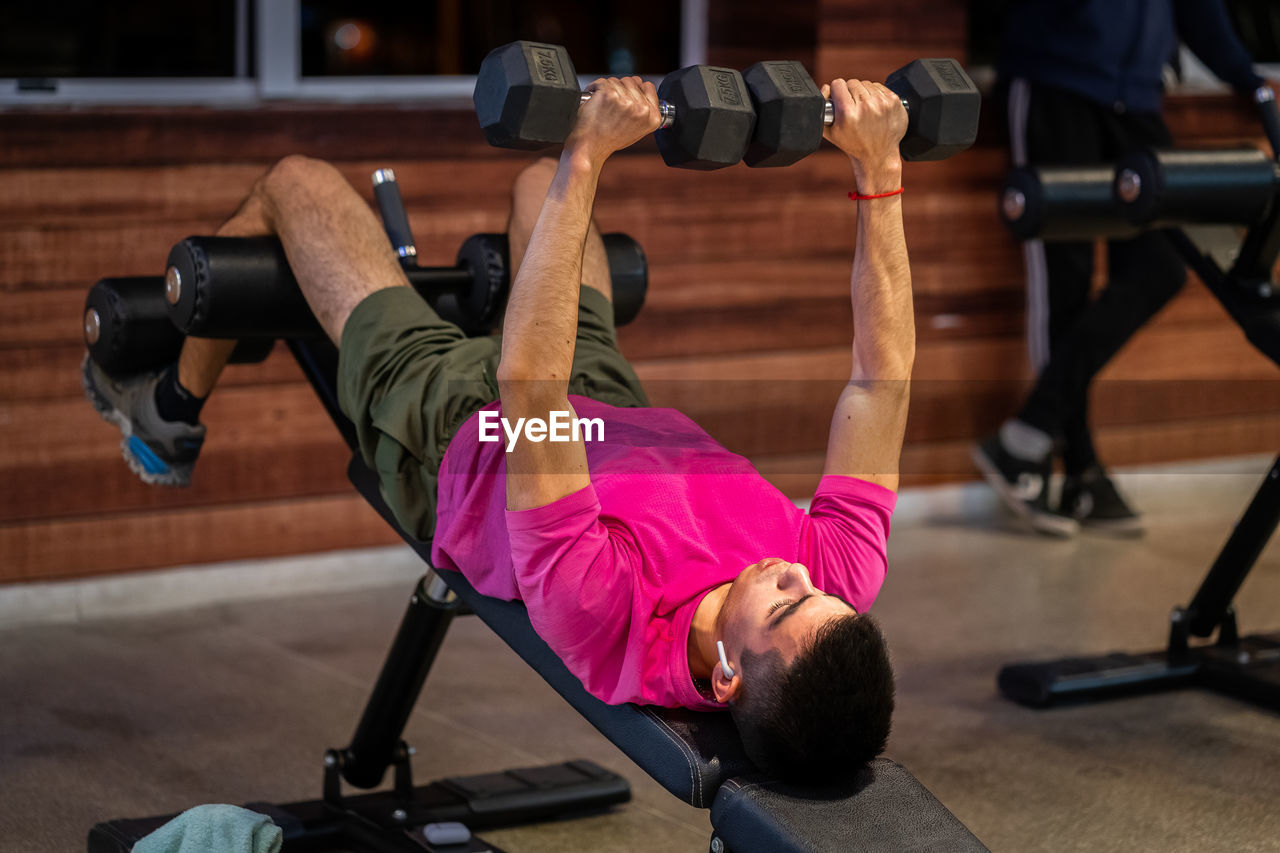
[[660, 567]]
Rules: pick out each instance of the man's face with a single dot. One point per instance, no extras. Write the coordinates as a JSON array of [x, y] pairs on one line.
[[772, 604]]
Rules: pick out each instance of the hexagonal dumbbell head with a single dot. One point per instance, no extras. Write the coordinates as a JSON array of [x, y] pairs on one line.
[[526, 95], [943, 106], [789, 110], [713, 121]]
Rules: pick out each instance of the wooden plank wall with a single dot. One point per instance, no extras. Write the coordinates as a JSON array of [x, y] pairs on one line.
[[747, 325]]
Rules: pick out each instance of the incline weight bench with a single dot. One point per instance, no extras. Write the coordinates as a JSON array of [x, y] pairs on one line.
[[698, 757], [1165, 190]]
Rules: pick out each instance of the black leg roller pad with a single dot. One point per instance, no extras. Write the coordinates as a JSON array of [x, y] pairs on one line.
[[1233, 186], [235, 287], [884, 808], [1063, 203], [1146, 189], [242, 287], [127, 328]]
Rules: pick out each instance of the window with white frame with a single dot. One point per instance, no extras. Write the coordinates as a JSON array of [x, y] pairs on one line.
[[243, 51]]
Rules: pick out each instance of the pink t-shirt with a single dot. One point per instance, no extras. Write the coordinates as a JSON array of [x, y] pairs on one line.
[[612, 574]]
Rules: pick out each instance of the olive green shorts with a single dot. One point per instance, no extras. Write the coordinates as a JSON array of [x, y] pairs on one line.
[[408, 379]]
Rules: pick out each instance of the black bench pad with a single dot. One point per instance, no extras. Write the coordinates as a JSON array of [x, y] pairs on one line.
[[885, 808]]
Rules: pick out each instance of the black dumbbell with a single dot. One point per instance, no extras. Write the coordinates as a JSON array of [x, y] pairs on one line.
[[527, 97], [941, 102]]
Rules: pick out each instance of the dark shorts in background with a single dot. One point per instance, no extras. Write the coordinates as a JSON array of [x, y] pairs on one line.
[[409, 379]]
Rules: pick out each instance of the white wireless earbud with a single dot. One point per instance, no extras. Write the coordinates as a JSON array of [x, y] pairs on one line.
[[724, 660]]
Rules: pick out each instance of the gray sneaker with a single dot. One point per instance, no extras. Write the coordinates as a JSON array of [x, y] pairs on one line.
[[160, 452]]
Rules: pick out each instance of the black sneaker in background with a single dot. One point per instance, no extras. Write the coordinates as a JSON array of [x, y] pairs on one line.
[[1093, 499], [1023, 485]]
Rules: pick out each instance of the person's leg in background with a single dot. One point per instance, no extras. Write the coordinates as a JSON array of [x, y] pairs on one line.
[[339, 255], [1046, 127], [1143, 275]]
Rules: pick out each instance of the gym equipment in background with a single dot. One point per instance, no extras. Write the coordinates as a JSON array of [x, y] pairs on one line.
[[1158, 188], [1232, 186], [1143, 190], [1063, 203]]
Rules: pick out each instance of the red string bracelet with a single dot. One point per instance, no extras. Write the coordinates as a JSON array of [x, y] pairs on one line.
[[854, 196]]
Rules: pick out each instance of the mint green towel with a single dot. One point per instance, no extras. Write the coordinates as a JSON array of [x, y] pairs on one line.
[[214, 829]]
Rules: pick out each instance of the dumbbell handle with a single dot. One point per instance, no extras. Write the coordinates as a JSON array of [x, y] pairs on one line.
[[829, 111], [667, 110]]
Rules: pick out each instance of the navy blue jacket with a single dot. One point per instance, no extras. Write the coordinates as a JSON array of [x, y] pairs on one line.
[[1114, 51]]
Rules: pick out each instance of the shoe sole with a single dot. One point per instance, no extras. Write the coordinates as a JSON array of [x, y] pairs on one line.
[[1058, 526], [109, 413], [1120, 527]]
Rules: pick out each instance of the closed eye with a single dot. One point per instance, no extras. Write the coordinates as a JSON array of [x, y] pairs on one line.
[[795, 605], [791, 607], [773, 608]]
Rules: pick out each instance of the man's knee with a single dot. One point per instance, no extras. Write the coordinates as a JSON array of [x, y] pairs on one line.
[[297, 172]]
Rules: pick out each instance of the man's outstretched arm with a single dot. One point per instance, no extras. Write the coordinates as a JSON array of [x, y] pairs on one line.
[[871, 416], [541, 320]]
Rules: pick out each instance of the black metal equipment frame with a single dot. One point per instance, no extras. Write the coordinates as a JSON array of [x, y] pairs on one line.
[[1246, 667]]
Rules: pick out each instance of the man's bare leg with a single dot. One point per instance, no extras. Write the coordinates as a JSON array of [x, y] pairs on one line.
[[202, 359], [339, 255], [335, 244], [337, 250], [527, 195]]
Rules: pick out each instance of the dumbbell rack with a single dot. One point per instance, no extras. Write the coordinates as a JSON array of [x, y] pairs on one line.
[[1245, 667]]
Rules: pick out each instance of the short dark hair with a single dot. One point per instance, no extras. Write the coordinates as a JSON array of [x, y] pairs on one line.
[[826, 715]]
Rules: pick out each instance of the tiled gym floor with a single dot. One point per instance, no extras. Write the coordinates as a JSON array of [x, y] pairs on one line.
[[148, 714]]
